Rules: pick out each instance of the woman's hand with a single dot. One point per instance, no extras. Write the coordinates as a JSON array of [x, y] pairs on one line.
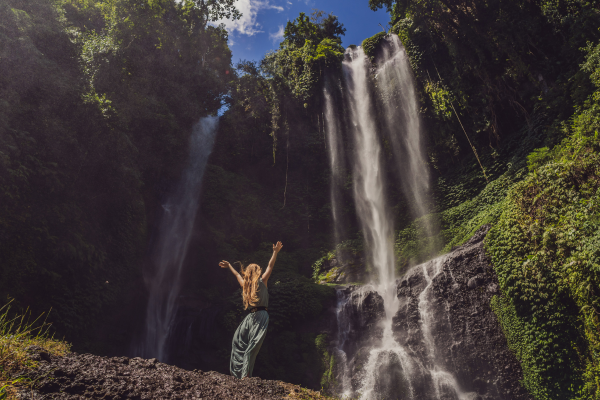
[[276, 247], [225, 264]]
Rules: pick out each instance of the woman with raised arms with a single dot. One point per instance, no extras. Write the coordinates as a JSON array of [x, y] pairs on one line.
[[250, 335]]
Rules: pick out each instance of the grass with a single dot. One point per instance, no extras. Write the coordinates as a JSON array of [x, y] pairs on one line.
[[17, 334]]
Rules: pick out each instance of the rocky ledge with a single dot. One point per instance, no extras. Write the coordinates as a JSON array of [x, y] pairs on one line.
[[86, 376], [448, 343]]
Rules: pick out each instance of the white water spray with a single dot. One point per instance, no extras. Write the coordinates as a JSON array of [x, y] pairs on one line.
[[391, 370], [373, 211], [444, 383], [369, 193], [344, 384], [175, 231], [336, 159], [395, 83]]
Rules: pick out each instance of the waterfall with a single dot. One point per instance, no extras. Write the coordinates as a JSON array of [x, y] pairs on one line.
[[370, 198], [175, 231], [344, 384], [395, 84], [369, 191], [336, 158], [391, 349], [444, 383], [379, 356]]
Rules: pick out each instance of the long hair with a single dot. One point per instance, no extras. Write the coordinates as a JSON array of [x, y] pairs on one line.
[[251, 275]]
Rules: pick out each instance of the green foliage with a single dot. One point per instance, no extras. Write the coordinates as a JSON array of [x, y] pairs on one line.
[[347, 247], [327, 361], [441, 99], [370, 45], [17, 334], [537, 158], [97, 102], [592, 63], [304, 66], [205, 11], [315, 29], [50, 237], [309, 49], [502, 65], [455, 225], [545, 248]]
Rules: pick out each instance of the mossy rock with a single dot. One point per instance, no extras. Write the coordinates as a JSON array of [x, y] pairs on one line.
[[370, 45]]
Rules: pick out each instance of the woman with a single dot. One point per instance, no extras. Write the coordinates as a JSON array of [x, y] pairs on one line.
[[249, 336]]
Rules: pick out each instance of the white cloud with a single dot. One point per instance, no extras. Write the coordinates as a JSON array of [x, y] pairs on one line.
[[248, 25], [277, 36]]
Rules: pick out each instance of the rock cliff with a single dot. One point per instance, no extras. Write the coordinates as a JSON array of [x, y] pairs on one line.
[[447, 343], [86, 376]]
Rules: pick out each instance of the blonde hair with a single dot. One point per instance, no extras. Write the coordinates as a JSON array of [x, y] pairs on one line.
[[251, 276]]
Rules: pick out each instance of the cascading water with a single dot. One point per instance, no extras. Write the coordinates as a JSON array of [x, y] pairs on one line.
[[175, 231], [369, 194], [344, 386], [380, 364], [370, 198], [444, 383], [336, 157], [395, 84], [397, 357]]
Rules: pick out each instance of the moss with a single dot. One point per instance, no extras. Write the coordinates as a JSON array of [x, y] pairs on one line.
[[455, 225], [353, 247], [545, 249], [330, 275], [327, 362], [371, 44]]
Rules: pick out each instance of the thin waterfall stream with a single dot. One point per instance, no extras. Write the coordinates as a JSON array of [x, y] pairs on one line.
[[396, 86], [369, 189], [175, 231], [336, 157]]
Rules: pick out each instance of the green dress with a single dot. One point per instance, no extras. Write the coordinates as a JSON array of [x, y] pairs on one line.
[[249, 336]]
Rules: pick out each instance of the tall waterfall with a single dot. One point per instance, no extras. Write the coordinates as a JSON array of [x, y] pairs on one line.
[[175, 231], [376, 362], [336, 157], [396, 86], [369, 191]]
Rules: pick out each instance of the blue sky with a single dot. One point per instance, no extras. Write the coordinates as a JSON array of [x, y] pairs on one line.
[[261, 27]]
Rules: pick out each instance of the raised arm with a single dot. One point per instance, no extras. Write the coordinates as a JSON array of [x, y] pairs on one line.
[[225, 264], [267, 274]]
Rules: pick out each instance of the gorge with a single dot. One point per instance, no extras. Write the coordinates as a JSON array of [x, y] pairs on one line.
[[436, 188]]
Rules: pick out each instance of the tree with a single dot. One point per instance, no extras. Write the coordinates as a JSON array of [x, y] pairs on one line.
[[308, 49]]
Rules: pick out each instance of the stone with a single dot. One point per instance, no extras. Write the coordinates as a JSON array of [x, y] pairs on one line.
[[475, 282], [87, 376]]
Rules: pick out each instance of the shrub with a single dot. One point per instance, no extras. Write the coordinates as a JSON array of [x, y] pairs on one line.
[[17, 337]]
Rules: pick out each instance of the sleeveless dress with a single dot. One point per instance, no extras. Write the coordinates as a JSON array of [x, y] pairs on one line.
[[249, 336]]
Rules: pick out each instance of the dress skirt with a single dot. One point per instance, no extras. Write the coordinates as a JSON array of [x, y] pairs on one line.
[[247, 340]]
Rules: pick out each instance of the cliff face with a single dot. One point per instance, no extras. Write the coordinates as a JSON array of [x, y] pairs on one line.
[[447, 343]]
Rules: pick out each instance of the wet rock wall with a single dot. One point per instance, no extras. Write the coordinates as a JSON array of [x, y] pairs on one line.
[[448, 344]]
